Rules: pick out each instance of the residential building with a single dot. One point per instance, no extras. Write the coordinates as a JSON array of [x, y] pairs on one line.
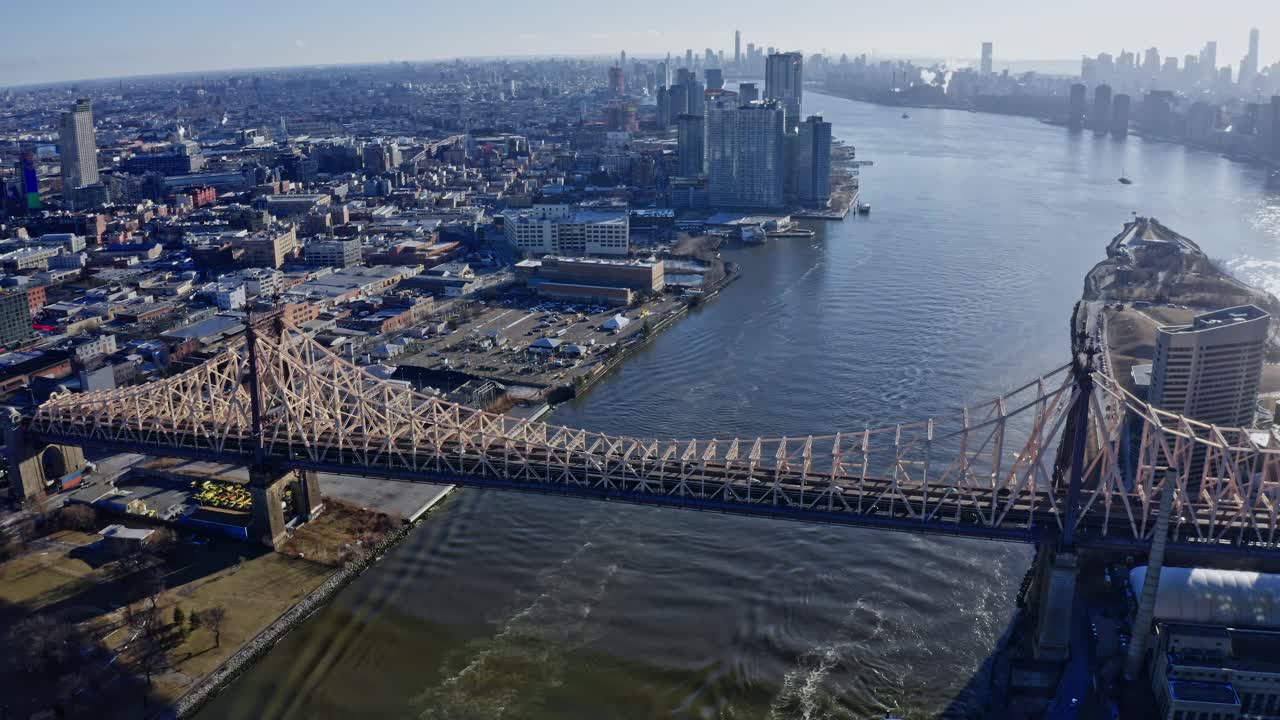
[[1120, 115], [78, 147], [813, 162], [1100, 118], [1210, 369], [564, 230], [691, 145], [784, 82], [15, 318], [1076, 111], [745, 164]]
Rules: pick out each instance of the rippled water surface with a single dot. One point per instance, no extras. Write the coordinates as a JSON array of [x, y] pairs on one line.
[[959, 285]]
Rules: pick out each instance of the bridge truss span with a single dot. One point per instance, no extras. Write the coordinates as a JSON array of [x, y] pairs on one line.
[[997, 469]]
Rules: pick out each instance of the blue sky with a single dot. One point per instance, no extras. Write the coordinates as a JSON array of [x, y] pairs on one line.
[[73, 39]]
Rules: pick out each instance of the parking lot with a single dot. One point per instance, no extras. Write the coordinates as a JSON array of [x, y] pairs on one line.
[[539, 343]]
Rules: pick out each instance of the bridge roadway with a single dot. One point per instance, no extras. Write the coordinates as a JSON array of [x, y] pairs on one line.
[[870, 502]]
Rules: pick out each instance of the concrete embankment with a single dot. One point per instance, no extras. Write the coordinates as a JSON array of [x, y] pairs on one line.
[[190, 703]]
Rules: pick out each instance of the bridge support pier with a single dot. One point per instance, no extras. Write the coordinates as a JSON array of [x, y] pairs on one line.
[[33, 466], [306, 497], [266, 491], [1056, 588], [268, 487]]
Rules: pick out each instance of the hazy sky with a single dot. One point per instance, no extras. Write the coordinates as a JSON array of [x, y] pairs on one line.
[[71, 39]]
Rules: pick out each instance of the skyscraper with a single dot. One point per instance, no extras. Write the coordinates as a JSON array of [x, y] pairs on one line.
[[677, 102], [697, 103], [715, 78], [737, 48], [1249, 66], [1151, 62], [1209, 60], [813, 162], [784, 82], [78, 147], [617, 82], [986, 58], [745, 162], [1076, 111], [748, 93], [1120, 115], [664, 107], [1100, 120], [690, 145], [1210, 370]]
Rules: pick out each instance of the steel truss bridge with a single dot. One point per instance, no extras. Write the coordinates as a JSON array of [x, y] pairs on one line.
[[1069, 455]]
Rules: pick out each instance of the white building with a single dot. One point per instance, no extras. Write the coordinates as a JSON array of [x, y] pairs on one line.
[[1210, 370], [90, 347], [78, 147], [261, 281], [29, 258], [69, 242], [230, 296], [563, 230]]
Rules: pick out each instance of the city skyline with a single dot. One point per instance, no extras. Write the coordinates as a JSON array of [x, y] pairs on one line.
[[330, 34]]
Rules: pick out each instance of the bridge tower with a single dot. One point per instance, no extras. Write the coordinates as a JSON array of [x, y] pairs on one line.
[[1058, 569], [268, 482], [32, 466]]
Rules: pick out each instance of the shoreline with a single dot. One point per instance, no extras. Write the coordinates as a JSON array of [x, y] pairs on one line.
[[211, 685], [208, 688], [1051, 122]]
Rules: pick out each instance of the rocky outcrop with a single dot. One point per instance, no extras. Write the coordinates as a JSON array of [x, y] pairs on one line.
[[1148, 262]]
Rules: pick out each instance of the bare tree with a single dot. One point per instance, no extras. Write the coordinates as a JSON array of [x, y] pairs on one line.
[[213, 618], [149, 652]]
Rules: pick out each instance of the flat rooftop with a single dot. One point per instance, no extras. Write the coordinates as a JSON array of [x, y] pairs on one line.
[[1219, 319]]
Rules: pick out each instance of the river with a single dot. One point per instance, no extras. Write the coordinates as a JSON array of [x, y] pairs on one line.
[[959, 284]]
